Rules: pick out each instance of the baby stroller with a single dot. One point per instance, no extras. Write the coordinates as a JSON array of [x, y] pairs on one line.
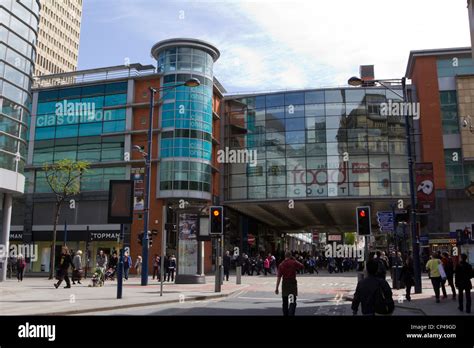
[[110, 274], [97, 278]]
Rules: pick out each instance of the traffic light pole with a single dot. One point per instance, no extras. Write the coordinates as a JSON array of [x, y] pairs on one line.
[[415, 243], [218, 265]]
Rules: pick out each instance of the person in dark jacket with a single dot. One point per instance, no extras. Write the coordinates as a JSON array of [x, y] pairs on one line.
[[226, 264], [407, 276], [367, 288], [382, 265], [463, 282], [65, 261], [127, 264], [449, 270]]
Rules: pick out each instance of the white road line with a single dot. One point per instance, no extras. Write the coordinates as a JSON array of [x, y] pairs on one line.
[[270, 299]]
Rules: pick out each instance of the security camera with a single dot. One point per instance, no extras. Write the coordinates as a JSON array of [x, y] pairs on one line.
[[464, 123], [137, 148]]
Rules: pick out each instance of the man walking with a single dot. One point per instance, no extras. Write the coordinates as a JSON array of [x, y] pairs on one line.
[[371, 290], [463, 282], [289, 287], [226, 265]]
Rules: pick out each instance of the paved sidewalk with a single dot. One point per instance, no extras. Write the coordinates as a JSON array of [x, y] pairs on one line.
[[37, 296]]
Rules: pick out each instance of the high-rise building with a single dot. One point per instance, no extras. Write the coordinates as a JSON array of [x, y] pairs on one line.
[[58, 36], [18, 32]]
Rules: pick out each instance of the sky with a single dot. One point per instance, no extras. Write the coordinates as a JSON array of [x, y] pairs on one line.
[[276, 44]]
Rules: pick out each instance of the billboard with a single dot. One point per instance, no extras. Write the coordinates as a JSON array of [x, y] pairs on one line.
[[425, 191], [187, 244], [120, 202]]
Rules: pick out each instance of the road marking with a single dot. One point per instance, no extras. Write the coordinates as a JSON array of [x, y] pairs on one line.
[[270, 299]]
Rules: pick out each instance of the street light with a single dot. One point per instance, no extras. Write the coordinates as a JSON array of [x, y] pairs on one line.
[[356, 81], [193, 82]]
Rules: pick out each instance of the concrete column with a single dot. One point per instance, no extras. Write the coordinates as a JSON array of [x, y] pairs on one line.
[[5, 235]]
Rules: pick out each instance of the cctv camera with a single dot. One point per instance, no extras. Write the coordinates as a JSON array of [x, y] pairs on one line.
[[464, 123], [137, 148]]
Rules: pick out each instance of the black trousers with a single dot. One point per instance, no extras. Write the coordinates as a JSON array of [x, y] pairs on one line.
[[171, 274], [66, 279], [19, 274], [408, 290], [226, 273], [451, 284], [436, 282], [289, 305], [155, 272], [468, 299]]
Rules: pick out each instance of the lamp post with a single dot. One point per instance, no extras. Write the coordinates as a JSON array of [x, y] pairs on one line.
[[193, 82], [356, 82]]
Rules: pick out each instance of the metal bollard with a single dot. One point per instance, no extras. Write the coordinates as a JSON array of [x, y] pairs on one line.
[[238, 277]]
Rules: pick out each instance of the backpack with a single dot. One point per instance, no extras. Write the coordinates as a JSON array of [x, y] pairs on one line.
[[382, 305]]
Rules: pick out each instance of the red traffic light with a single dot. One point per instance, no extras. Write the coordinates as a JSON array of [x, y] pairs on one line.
[[362, 213]]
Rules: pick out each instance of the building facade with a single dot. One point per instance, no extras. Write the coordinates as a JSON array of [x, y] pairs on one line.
[[318, 155], [443, 80], [107, 114], [18, 32], [58, 36]]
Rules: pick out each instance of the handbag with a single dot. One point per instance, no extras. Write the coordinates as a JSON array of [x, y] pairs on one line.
[[441, 271]]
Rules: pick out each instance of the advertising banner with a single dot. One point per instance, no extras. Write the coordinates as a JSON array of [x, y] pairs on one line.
[[188, 245], [425, 192]]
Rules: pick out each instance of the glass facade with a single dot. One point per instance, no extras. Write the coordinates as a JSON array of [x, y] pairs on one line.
[[317, 143], [79, 123], [18, 31], [186, 119]]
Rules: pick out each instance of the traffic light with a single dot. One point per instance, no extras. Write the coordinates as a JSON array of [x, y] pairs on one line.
[[140, 238], [216, 220], [227, 225], [150, 239], [364, 224]]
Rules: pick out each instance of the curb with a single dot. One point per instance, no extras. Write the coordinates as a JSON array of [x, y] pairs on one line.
[[135, 305]]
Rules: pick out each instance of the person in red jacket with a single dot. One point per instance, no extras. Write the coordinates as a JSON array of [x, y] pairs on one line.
[[289, 287]]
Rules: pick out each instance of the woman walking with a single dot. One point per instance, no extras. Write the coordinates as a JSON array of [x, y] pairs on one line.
[[77, 263], [138, 265], [20, 267]]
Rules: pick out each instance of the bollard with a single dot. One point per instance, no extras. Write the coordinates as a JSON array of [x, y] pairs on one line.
[[238, 277]]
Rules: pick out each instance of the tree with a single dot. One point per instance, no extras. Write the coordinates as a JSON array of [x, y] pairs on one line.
[[64, 180], [349, 238]]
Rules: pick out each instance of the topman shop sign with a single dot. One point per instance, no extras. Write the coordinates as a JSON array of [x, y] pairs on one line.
[[104, 236]]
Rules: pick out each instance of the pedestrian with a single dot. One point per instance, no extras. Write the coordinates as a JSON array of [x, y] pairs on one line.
[[226, 263], [382, 262], [266, 264], [289, 287], [156, 265], [407, 276], [273, 264], [127, 264], [259, 265], [77, 263], [65, 261], [449, 270], [433, 268], [112, 266], [463, 282], [372, 293], [138, 265], [20, 267], [171, 267], [101, 263]]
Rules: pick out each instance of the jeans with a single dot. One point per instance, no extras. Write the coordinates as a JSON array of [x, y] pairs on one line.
[[468, 299], [289, 310], [436, 282], [125, 272]]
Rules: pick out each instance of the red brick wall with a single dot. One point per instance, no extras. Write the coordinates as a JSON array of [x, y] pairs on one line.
[[425, 77]]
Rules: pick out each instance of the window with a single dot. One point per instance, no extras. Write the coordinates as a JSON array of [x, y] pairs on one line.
[[449, 112]]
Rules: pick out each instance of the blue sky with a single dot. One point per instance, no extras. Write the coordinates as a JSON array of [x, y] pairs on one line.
[[276, 44]]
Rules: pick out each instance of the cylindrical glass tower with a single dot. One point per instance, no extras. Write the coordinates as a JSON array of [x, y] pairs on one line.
[[18, 33], [185, 118]]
